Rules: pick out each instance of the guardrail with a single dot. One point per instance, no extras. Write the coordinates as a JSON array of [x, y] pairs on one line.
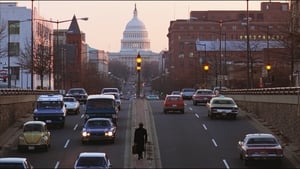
[[264, 91], [18, 91]]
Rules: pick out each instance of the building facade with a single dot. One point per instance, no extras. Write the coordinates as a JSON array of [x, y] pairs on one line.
[[16, 60], [218, 39]]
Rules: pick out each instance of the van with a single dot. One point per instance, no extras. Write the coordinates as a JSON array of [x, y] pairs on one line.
[[100, 105], [50, 109]]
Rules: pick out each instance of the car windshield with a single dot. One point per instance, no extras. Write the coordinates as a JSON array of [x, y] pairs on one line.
[[33, 127], [49, 104], [11, 165], [78, 91], [222, 102], [91, 161], [205, 92], [98, 123], [262, 141], [110, 90], [173, 98], [99, 103], [69, 99], [188, 90]]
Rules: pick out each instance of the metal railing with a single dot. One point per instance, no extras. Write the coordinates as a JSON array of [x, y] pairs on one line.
[[18, 91], [264, 91]]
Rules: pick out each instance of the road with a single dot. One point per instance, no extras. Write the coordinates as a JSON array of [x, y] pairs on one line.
[[189, 140]]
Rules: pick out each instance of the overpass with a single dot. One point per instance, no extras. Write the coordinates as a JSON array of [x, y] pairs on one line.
[[278, 108]]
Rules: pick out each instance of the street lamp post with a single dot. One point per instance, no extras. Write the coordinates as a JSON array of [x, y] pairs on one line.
[[57, 39]]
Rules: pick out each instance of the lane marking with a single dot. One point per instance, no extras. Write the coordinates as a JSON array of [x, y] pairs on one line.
[[67, 143], [82, 116], [214, 142], [204, 126], [75, 127], [226, 164], [56, 165], [197, 115], [190, 108]]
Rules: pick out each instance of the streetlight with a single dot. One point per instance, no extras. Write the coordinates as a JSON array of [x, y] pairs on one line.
[[138, 69], [57, 39]]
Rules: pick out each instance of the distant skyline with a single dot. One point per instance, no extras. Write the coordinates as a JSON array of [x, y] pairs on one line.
[[108, 19]]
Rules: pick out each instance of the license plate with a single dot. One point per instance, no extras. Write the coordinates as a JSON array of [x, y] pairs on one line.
[[48, 121], [174, 105], [30, 147]]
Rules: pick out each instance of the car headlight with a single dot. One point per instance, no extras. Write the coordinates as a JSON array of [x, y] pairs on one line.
[[109, 133], [85, 134], [36, 118]]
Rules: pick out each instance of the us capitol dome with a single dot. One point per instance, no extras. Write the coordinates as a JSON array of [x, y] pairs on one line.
[[135, 36], [135, 40]]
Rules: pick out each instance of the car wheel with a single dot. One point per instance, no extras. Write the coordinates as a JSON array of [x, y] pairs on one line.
[[46, 147], [246, 162], [182, 111], [165, 111], [194, 103]]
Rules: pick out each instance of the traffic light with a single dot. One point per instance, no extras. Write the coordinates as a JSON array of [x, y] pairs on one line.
[[138, 62], [268, 67], [205, 67]]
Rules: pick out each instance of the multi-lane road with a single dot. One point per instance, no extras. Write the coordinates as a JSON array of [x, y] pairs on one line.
[[189, 140]]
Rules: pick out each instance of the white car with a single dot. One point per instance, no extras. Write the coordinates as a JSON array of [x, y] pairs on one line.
[[72, 105], [222, 106], [92, 160]]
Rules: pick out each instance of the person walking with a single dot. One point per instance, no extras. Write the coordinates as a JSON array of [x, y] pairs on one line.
[[140, 138]]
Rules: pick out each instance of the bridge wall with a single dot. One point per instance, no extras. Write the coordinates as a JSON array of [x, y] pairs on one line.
[[13, 108], [280, 112]]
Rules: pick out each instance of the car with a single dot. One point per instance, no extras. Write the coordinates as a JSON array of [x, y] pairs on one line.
[[35, 135], [152, 97], [202, 96], [173, 103], [72, 105], [260, 146], [15, 163], [222, 106], [79, 93], [187, 93], [117, 98], [217, 91], [176, 92], [110, 89], [92, 160], [98, 129]]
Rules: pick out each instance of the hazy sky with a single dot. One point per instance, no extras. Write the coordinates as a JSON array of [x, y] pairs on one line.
[[108, 19]]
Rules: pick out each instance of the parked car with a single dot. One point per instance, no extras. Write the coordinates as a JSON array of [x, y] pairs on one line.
[[92, 160], [173, 103], [222, 107], [72, 105], [15, 163], [35, 136], [98, 129], [260, 146], [79, 93], [187, 93], [152, 97], [117, 98], [202, 96]]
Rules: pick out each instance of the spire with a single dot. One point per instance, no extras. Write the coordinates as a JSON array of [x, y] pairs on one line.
[[74, 28], [135, 11]]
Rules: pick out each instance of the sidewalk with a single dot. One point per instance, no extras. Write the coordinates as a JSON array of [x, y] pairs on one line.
[[140, 113]]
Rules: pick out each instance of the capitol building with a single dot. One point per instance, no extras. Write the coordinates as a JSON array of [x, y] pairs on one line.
[[135, 40]]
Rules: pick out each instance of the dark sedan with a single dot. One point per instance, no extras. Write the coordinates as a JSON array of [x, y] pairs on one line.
[[98, 129], [79, 93]]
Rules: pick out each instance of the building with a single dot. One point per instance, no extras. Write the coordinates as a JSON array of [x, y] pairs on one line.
[[135, 40], [218, 39], [18, 26]]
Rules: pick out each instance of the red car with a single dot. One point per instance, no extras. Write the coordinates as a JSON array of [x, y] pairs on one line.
[[202, 96], [173, 103], [260, 146]]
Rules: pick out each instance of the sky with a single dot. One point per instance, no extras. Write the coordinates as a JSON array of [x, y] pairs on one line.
[[108, 19]]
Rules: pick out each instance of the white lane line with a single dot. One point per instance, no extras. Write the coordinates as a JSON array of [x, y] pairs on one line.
[[226, 164], [67, 143], [190, 108], [214, 142], [82, 116], [75, 127], [197, 115], [204, 126], [56, 165]]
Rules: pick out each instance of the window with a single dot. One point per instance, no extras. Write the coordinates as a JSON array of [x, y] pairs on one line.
[[14, 48], [14, 27]]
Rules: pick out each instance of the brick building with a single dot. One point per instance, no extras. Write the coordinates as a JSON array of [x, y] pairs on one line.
[[219, 39]]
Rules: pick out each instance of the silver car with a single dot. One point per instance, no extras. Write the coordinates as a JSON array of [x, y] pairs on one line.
[[15, 163], [92, 160], [72, 105]]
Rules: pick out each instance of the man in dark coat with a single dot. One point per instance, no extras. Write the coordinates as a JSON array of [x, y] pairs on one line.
[[140, 138]]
